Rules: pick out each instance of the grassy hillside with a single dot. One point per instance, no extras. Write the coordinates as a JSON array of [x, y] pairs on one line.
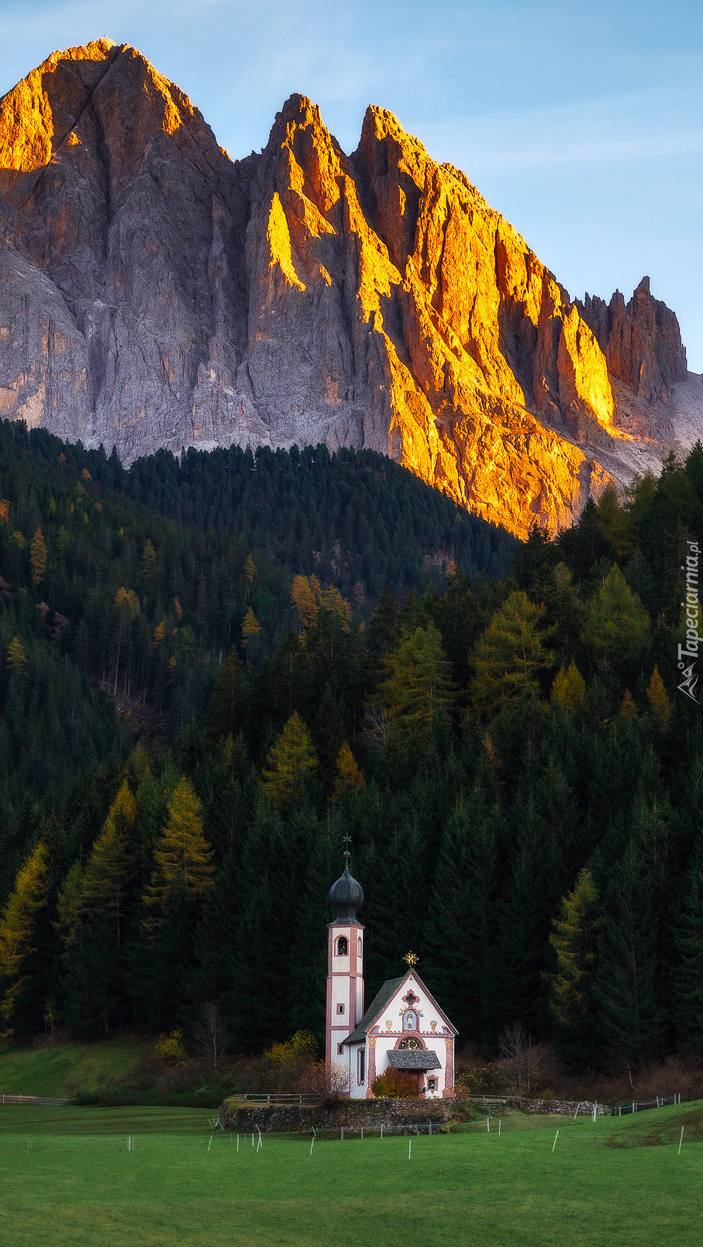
[[62, 1071]]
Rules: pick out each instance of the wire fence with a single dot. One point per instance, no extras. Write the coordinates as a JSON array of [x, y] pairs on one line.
[[31, 1099], [636, 1106]]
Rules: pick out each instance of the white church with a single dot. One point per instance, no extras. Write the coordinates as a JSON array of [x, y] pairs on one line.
[[403, 1028]]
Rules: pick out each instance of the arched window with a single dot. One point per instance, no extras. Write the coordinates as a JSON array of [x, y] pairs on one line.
[[342, 946], [358, 947], [410, 1020]]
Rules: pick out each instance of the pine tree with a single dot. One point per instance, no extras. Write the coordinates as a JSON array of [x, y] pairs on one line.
[[226, 707], [625, 987], [462, 932], [687, 979], [261, 935]]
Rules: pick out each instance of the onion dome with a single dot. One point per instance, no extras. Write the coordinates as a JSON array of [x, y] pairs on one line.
[[346, 895]]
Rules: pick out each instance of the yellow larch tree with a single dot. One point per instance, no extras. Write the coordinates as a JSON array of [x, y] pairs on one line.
[[569, 687], [182, 854], [37, 557], [18, 933], [349, 776], [658, 700], [292, 759]]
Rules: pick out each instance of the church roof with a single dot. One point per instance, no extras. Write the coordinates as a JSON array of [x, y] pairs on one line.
[[383, 998], [403, 1058]]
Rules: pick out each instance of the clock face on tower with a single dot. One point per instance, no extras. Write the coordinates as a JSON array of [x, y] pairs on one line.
[[409, 1044]]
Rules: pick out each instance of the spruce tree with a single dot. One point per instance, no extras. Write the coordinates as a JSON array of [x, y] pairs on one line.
[[462, 930], [625, 987], [687, 977]]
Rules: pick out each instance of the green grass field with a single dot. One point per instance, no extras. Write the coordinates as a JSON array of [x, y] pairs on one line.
[[616, 1182]]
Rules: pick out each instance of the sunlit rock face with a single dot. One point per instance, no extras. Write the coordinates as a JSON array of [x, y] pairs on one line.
[[155, 293]]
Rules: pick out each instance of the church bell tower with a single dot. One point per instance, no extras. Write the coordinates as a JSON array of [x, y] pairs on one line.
[[345, 975]]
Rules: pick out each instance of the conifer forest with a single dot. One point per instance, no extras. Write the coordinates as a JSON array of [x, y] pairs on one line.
[[214, 668]]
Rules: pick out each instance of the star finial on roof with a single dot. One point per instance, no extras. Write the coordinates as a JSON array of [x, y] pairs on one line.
[[411, 959]]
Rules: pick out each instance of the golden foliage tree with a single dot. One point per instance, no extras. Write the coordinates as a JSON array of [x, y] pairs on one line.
[[627, 705], [182, 854], [349, 776], [305, 594], [569, 687], [18, 932], [16, 656], [37, 557], [249, 575], [658, 700], [250, 627], [292, 759]]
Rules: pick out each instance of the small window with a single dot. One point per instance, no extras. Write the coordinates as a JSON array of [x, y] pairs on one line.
[[431, 1084], [340, 1008], [361, 1065], [358, 947], [342, 946], [340, 1049]]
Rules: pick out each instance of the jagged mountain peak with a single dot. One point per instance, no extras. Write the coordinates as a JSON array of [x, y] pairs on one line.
[[154, 293]]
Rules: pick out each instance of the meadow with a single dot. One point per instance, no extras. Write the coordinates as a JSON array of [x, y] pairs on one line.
[[615, 1181]]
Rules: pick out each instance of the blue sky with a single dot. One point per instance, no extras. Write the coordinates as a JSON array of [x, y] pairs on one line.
[[580, 122]]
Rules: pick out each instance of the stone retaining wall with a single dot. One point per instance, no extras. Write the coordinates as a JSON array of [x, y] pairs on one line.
[[395, 1115]]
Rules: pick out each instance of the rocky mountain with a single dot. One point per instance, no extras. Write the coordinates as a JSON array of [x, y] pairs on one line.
[[155, 293]]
